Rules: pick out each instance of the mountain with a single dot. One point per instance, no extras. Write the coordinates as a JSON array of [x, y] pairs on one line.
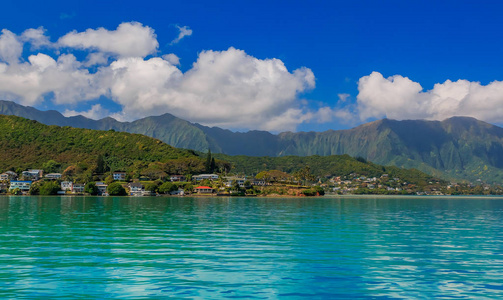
[[456, 148], [84, 154]]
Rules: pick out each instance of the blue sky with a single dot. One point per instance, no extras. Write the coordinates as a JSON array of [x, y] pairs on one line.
[[270, 65]]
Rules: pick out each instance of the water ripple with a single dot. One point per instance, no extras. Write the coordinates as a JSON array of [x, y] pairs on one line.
[[153, 248]]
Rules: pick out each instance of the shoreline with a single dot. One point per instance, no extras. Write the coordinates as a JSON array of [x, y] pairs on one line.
[[276, 196]]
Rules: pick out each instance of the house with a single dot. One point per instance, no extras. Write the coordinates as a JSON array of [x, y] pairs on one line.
[[53, 176], [33, 174], [119, 176], [78, 188], [204, 190], [102, 188], [4, 186], [259, 182], [179, 192], [205, 176], [8, 176], [136, 189], [66, 186], [22, 185], [177, 178], [240, 181]]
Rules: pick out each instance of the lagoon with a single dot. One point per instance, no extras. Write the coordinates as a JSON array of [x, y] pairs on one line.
[[263, 248]]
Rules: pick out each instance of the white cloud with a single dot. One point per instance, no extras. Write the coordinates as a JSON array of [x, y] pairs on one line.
[[96, 112], [96, 58], [29, 82], [128, 40], [36, 37], [223, 88], [343, 97], [184, 31], [10, 47], [227, 88], [398, 97], [172, 58]]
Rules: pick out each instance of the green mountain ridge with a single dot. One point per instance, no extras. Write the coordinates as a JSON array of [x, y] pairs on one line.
[[87, 153], [456, 148]]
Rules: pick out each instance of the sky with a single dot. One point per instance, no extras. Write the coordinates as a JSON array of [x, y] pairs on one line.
[[256, 65]]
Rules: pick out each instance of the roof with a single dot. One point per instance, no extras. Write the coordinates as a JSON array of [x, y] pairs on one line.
[[203, 187]]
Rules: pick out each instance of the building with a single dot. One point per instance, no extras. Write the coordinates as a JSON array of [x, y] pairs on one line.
[[66, 186], [8, 176], [240, 181], [33, 174], [204, 190], [22, 185], [136, 189], [259, 182], [177, 178], [119, 176], [53, 176], [205, 176], [102, 188], [78, 188]]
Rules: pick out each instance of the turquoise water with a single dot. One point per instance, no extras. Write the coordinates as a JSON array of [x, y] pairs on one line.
[[212, 248]]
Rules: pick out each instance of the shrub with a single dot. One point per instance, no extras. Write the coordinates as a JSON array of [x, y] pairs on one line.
[[116, 189]]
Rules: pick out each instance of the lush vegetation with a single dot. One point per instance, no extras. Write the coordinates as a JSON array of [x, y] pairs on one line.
[[84, 156], [457, 148], [80, 153], [319, 167]]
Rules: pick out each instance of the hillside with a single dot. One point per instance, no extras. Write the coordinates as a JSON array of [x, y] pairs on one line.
[[456, 148], [324, 166], [29, 144]]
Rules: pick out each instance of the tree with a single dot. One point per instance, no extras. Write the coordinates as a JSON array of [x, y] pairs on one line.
[[207, 165], [213, 165], [51, 166], [116, 189], [151, 187], [50, 188], [100, 164], [109, 179], [35, 189], [91, 188], [167, 187]]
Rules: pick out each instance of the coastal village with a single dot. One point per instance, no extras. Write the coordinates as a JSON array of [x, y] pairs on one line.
[[266, 183]]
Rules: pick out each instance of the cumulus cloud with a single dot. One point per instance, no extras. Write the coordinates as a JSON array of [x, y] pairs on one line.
[[184, 31], [29, 82], [96, 112], [10, 47], [222, 88], [128, 40], [36, 37], [172, 58], [398, 97]]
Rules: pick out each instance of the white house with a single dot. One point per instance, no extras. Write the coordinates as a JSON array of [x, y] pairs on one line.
[[78, 188], [7, 176], [119, 175], [33, 174], [136, 189], [53, 176], [66, 185], [22, 185], [205, 176]]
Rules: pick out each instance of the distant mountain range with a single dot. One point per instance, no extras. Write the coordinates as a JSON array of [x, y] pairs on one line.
[[456, 148]]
